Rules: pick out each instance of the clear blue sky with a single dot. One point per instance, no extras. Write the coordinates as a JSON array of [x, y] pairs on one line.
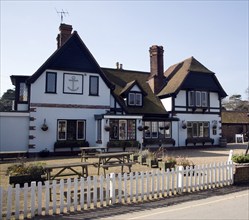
[[214, 32]]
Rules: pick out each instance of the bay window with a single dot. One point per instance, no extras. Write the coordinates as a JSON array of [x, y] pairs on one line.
[[122, 129]]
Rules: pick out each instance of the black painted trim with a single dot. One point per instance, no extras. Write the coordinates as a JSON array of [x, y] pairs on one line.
[[90, 77], [46, 84]]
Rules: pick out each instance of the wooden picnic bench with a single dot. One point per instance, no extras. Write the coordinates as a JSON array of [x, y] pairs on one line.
[[115, 159], [60, 168], [90, 152]]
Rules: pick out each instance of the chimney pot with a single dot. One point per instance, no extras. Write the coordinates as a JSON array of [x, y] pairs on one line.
[[65, 33]]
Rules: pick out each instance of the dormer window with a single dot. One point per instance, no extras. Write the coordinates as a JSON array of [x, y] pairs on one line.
[[135, 99]]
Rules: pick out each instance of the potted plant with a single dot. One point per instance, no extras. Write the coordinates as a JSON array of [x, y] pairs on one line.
[[241, 164], [183, 161], [44, 127], [134, 156], [140, 128], [151, 160], [167, 162], [21, 173], [142, 156]]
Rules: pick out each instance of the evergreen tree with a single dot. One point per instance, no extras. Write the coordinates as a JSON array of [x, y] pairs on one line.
[[6, 100]]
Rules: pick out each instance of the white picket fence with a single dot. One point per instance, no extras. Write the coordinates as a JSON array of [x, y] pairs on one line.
[[72, 195]]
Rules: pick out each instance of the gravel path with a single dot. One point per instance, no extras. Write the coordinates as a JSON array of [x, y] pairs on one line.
[[196, 155]]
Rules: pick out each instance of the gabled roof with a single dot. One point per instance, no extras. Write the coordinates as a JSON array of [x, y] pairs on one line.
[[190, 74], [129, 86], [125, 79], [73, 55], [234, 117]]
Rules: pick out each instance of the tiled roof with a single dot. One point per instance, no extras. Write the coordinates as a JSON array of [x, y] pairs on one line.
[[124, 79], [234, 117], [177, 74]]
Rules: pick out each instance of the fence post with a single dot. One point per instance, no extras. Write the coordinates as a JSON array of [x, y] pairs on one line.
[[112, 187], [180, 180], [230, 156], [1, 201]]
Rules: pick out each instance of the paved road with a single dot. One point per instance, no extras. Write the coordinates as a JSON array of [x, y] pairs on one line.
[[231, 206], [228, 203]]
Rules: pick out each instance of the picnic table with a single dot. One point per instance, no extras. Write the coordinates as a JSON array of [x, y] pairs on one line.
[[90, 152], [60, 168], [114, 159]]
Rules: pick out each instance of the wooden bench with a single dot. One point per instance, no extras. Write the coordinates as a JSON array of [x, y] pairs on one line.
[[13, 154], [201, 140]]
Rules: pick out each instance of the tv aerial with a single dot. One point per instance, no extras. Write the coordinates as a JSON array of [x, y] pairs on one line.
[[62, 14]]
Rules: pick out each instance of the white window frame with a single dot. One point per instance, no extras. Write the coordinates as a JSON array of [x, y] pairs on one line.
[[204, 100], [191, 98], [198, 99], [58, 131], [132, 99], [138, 99]]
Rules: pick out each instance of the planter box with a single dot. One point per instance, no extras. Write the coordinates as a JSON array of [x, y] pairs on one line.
[[166, 165], [241, 174], [141, 160], [152, 163], [134, 157], [22, 179]]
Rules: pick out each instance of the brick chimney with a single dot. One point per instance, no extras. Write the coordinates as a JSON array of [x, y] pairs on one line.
[[156, 77], [65, 33]]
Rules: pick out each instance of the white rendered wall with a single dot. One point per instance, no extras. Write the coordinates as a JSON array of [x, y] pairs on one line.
[[85, 108], [14, 131], [46, 139], [167, 103], [199, 117], [180, 99], [38, 94]]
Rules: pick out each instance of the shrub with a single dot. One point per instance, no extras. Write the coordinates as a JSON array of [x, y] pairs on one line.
[[70, 144], [35, 169], [169, 159], [183, 161], [123, 143], [240, 158]]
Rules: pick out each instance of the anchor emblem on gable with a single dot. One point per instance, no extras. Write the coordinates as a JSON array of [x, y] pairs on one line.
[[74, 81]]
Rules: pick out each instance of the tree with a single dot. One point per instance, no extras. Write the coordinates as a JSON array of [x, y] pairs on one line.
[[235, 103], [6, 100]]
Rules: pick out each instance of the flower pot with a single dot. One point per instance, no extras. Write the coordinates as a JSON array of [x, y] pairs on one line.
[[134, 157], [166, 165], [152, 162], [140, 128], [44, 127], [141, 160]]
